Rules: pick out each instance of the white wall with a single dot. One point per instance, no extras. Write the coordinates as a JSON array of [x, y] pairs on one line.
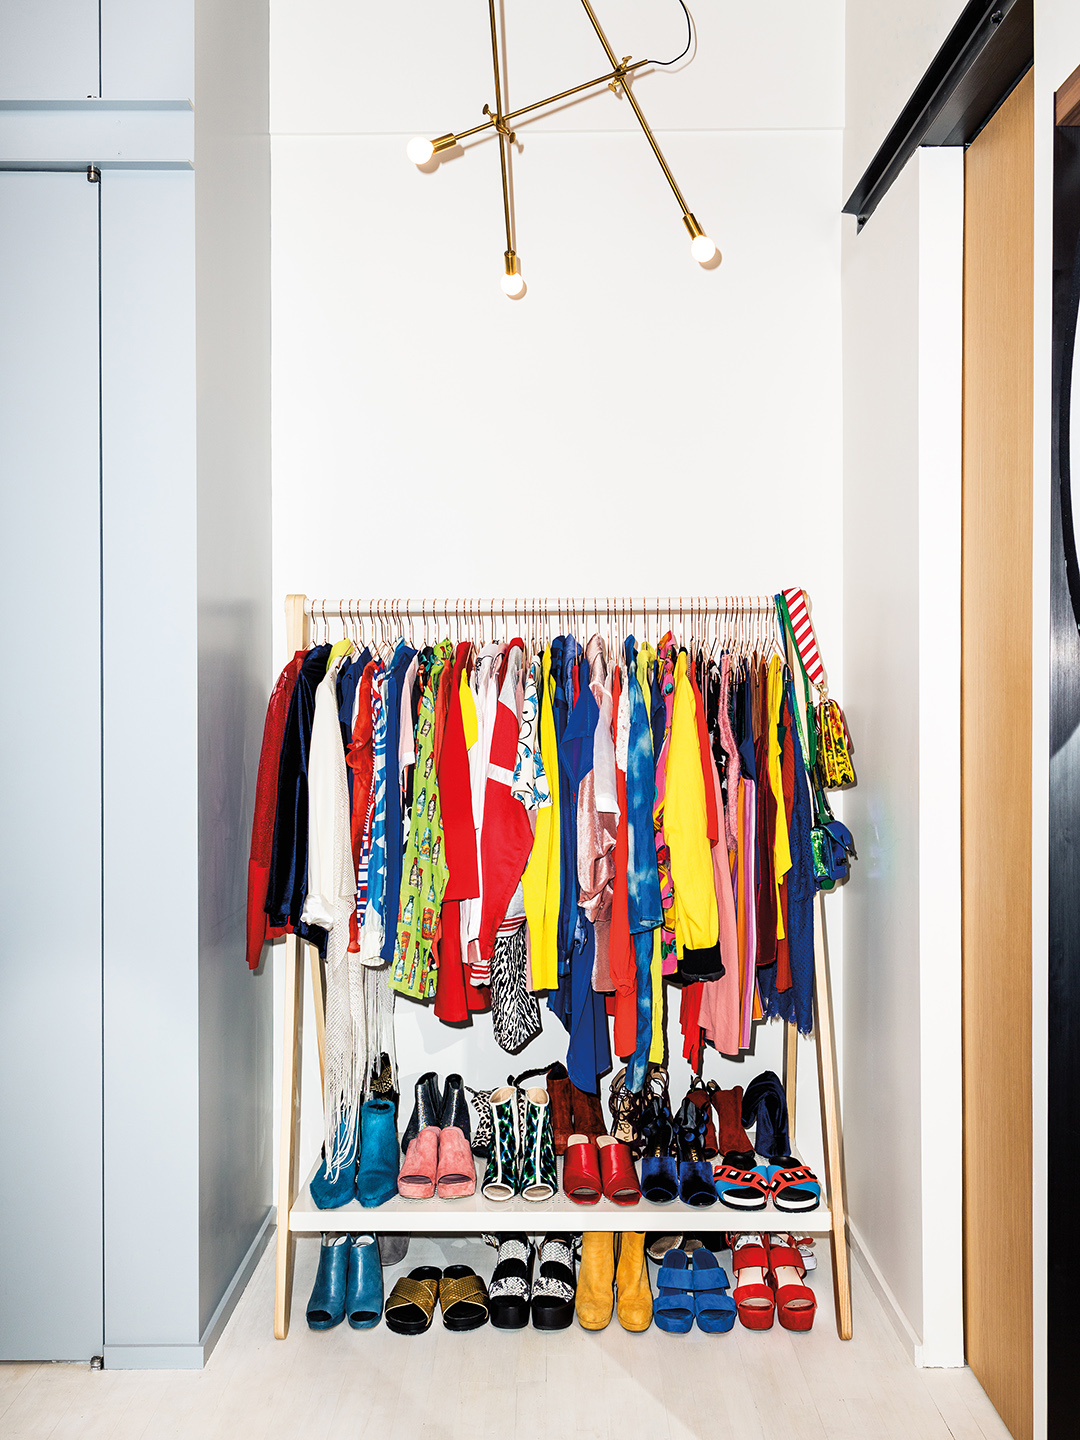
[[902, 298], [635, 424]]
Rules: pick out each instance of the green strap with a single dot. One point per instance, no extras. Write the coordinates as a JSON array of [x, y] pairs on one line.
[[807, 726]]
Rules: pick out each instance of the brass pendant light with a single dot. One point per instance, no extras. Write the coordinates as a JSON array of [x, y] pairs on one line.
[[420, 151]]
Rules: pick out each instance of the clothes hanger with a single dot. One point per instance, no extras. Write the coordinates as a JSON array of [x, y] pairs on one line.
[[344, 645]]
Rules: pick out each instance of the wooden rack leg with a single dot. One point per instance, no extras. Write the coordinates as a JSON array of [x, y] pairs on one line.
[[290, 1126], [319, 996], [830, 1118], [791, 1065]]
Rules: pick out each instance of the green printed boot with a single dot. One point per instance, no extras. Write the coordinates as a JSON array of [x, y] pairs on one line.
[[501, 1175], [539, 1180]]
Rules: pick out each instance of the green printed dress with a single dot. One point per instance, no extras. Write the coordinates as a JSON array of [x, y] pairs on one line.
[[424, 873]]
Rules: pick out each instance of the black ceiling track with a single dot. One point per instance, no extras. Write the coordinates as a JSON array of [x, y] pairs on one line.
[[986, 53]]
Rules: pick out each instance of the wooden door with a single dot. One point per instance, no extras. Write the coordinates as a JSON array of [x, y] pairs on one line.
[[996, 765]]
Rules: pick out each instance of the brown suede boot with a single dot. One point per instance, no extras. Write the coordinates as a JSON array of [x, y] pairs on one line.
[[588, 1116], [634, 1294], [562, 1106], [731, 1138], [557, 1084], [596, 1278]]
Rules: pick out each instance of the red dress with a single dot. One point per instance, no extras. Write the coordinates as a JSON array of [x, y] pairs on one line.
[[259, 930]]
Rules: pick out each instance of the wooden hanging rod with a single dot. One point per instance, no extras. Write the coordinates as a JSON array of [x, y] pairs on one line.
[[526, 608]]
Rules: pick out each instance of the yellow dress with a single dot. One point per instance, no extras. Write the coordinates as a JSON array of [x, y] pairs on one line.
[[541, 882], [697, 922]]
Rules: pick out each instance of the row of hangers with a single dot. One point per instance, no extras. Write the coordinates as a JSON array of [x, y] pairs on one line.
[[745, 626]]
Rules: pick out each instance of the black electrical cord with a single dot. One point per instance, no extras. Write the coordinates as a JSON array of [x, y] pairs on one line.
[[689, 40]]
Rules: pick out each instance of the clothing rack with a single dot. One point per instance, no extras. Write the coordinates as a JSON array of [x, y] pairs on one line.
[[609, 606], [296, 1213]]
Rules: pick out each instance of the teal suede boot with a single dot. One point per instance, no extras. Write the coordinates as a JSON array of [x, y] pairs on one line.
[[330, 1194], [377, 1174]]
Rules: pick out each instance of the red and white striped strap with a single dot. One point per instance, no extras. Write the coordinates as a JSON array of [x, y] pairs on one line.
[[805, 639]]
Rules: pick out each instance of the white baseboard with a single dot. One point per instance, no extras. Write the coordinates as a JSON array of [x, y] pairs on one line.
[[910, 1340], [195, 1356]]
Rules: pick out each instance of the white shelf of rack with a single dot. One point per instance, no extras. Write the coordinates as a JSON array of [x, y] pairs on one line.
[[477, 1216]]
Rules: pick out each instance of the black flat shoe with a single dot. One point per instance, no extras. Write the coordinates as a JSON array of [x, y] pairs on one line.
[[510, 1287], [455, 1107], [555, 1286], [427, 1108]]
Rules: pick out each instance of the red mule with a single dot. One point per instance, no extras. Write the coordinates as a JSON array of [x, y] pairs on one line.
[[796, 1303], [581, 1171], [754, 1298], [617, 1171]]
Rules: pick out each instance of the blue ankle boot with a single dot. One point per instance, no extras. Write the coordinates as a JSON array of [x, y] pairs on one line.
[[364, 1296], [326, 1308], [327, 1194], [377, 1174]]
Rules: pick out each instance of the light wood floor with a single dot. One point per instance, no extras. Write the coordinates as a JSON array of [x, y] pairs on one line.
[[514, 1386]]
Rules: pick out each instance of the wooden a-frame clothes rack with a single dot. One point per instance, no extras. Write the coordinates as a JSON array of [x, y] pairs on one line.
[[297, 1214]]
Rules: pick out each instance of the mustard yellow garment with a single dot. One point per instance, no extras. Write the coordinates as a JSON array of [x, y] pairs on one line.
[[774, 695], [646, 668], [540, 884], [697, 923], [468, 710], [659, 1027]]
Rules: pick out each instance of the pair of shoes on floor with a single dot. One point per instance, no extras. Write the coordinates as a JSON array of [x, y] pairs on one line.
[[673, 1164], [693, 1289], [348, 1283], [613, 1278], [438, 1161], [601, 1167], [446, 1107], [364, 1166], [657, 1245], [458, 1290], [769, 1271], [573, 1111], [537, 1281], [522, 1158]]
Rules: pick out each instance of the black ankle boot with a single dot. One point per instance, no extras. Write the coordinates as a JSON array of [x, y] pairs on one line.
[[455, 1107], [427, 1108]]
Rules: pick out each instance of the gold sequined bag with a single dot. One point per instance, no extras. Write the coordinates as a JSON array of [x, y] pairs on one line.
[[834, 750]]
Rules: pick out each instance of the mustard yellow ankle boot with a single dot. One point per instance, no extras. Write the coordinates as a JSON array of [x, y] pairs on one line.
[[596, 1278], [632, 1283]]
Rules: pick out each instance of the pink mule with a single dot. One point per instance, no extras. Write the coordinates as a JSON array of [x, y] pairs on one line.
[[416, 1179], [456, 1176]]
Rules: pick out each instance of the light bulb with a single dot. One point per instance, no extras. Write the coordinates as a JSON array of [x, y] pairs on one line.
[[512, 285], [420, 150], [702, 249]]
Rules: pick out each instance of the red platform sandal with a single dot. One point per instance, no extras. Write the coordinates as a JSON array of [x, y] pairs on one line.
[[795, 1302], [754, 1298]]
